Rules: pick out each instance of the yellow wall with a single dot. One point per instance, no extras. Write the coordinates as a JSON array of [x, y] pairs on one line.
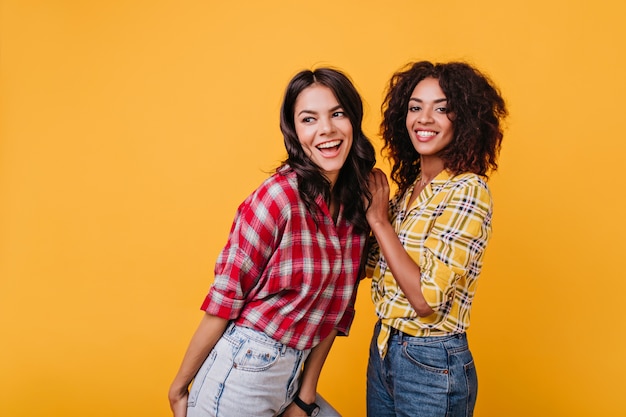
[[130, 131]]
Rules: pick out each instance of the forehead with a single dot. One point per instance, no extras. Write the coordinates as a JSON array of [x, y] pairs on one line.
[[316, 96], [428, 88]]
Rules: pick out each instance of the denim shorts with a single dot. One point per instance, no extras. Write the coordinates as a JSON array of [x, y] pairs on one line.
[[247, 374], [421, 376]]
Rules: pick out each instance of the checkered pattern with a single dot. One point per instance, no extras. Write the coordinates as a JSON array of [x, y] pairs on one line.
[[445, 232], [283, 274]]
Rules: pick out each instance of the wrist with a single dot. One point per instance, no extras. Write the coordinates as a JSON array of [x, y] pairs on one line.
[[178, 390], [306, 397], [311, 409]]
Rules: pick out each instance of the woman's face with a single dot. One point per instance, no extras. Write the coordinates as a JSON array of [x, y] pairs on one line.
[[323, 129], [427, 120]]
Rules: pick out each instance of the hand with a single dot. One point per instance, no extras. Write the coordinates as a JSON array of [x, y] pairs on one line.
[[379, 188], [178, 402], [293, 411]]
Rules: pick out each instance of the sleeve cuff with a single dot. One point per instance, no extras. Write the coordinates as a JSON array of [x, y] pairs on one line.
[[217, 304], [343, 327]]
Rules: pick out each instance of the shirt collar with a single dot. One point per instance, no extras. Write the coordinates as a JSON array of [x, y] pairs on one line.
[[442, 177]]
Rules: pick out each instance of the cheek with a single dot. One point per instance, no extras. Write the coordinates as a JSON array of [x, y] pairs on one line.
[[301, 133], [350, 133], [346, 129], [409, 122], [445, 124]]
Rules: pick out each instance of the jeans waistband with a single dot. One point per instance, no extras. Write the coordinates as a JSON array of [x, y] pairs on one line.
[[427, 339], [233, 329]]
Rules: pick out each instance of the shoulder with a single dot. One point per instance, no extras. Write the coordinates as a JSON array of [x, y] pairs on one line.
[[471, 196], [273, 198], [282, 185], [469, 183], [468, 179]]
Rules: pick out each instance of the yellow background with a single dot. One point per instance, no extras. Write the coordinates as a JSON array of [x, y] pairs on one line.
[[131, 130]]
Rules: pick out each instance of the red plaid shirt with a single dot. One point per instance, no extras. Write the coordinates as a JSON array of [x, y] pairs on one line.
[[283, 274]]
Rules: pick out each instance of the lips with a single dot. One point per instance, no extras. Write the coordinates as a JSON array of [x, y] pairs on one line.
[[331, 144], [329, 147], [425, 135]]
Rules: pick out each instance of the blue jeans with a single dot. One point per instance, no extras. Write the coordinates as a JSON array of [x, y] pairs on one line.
[[248, 374], [421, 377]]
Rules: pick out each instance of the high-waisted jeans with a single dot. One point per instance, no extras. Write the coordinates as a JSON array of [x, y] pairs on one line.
[[421, 377], [248, 374]]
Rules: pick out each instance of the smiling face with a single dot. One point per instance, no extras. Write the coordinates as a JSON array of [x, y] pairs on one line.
[[427, 120], [323, 129]]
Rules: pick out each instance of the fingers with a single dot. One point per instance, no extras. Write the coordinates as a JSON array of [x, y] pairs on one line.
[[378, 180]]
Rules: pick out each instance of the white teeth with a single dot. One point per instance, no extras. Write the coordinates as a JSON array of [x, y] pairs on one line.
[[425, 133], [331, 144]]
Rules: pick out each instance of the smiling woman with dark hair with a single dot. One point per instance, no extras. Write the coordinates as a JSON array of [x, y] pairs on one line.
[[285, 283], [442, 131]]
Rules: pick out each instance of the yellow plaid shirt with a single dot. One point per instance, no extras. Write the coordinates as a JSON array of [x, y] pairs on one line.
[[445, 231]]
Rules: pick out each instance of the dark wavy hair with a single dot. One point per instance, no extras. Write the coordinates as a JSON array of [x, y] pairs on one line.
[[351, 186], [474, 105]]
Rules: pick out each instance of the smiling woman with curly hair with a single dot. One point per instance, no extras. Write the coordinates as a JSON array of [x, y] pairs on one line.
[[473, 104], [442, 130]]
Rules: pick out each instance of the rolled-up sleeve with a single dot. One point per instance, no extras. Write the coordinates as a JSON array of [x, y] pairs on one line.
[[456, 242], [239, 266], [343, 327]]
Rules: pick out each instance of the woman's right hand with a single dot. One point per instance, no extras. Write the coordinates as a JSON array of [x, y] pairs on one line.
[[178, 401], [204, 339], [378, 186]]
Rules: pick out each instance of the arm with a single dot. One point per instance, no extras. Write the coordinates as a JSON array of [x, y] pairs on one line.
[[204, 339], [310, 375], [405, 271]]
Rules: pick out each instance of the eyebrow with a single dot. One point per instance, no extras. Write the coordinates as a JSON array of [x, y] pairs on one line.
[[437, 101], [337, 107]]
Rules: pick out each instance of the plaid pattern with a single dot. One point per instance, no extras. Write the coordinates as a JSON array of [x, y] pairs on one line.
[[446, 233], [284, 275]]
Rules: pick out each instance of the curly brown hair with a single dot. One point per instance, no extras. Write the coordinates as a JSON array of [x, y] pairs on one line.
[[474, 106]]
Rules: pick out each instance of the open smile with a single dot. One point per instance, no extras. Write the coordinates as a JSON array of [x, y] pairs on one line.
[[425, 134], [329, 146]]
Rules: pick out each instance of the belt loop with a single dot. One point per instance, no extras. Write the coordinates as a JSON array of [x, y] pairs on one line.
[[283, 349]]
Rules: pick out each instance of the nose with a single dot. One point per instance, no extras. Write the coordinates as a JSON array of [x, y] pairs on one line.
[[425, 116], [326, 125]]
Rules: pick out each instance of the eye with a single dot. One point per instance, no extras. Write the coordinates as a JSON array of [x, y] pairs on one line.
[[339, 114], [308, 119], [441, 109], [414, 108]]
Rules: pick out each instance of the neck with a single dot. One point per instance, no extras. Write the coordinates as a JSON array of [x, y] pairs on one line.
[[430, 168], [332, 178]]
